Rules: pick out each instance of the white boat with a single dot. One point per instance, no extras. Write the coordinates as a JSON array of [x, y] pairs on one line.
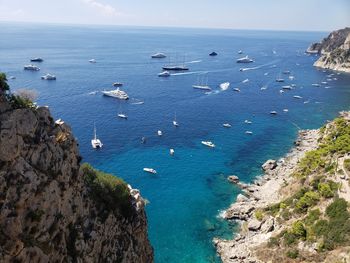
[[208, 143], [315, 84], [201, 84], [245, 81], [117, 84], [159, 133], [324, 82], [248, 122], [117, 93], [164, 74], [285, 110], [92, 60], [227, 125], [245, 59], [175, 123], [297, 97], [249, 132], [279, 80], [293, 85], [95, 142], [287, 87], [240, 52], [237, 89], [48, 77], [273, 112], [291, 77], [286, 72], [263, 88], [225, 85], [150, 170], [158, 55], [31, 67], [122, 116], [36, 60], [281, 91], [171, 151]]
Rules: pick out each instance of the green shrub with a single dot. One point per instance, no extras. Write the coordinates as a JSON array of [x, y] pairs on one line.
[[298, 229], [338, 209], [347, 164], [3, 82], [312, 216], [309, 199], [259, 215], [321, 227], [108, 190], [325, 190], [293, 253]]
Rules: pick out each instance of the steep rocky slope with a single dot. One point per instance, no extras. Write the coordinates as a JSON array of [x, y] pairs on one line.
[[334, 51], [54, 210]]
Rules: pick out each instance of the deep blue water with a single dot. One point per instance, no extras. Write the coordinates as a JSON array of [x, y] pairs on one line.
[[190, 188]]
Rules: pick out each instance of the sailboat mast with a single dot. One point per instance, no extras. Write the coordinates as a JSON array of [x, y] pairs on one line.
[[95, 131]]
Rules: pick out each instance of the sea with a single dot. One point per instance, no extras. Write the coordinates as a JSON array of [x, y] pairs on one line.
[[190, 190]]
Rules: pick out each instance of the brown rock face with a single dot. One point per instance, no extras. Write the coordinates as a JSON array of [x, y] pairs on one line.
[[47, 213]]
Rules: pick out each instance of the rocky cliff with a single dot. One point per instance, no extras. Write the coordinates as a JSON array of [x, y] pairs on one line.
[[54, 210], [334, 51]]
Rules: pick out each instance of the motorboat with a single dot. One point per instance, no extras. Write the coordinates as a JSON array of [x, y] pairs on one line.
[[175, 123], [249, 132], [248, 122], [227, 125], [119, 94], [208, 143], [281, 91], [31, 67], [285, 110], [92, 60], [48, 77], [273, 112], [36, 60], [287, 87], [245, 81], [245, 59], [287, 72], [143, 140], [237, 89], [117, 84], [297, 97], [240, 52], [159, 133], [150, 170], [171, 151], [279, 80], [164, 74], [225, 85], [315, 84], [158, 55], [122, 116], [291, 77], [213, 54], [324, 82], [95, 142]]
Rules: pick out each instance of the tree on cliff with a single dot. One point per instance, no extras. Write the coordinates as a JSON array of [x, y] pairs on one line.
[[3, 82]]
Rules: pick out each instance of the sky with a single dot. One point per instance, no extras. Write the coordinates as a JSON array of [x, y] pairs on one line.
[[306, 15]]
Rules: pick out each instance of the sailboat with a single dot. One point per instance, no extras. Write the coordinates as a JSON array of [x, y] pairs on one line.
[[201, 85], [175, 123], [279, 78], [175, 67], [95, 142]]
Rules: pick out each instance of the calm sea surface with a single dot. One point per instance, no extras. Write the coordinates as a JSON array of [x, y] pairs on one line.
[[190, 188]]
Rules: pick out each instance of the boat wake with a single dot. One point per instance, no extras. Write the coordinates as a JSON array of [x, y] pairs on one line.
[[193, 62], [189, 73]]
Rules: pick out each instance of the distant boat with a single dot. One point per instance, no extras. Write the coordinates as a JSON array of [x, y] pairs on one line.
[[171, 151], [119, 94], [227, 125], [158, 55], [285, 110], [245, 59], [159, 133], [208, 143], [237, 89], [164, 74], [273, 112], [36, 60], [201, 84], [263, 88], [248, 122], [225, 85], [212, 54], [240, 52], [117, 84], [48, 77], [249, 132], [122, 116], [297, 97], [143, 140], [286, 72], [175, 67], [315, 84], [281, 91], [31, 67], [12, 77], [150, 170], [287, 87], [92, 60], [95, 142], [175, 123], [245, 81], [291, 77]]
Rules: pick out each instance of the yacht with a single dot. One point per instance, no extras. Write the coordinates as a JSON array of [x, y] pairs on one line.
[[175, 123], [175, 67], [171, 151], [227, 125], [248, 122], [95, 142], [122, 116], [213, 54], [249, 132], [287, 87], [201, 84], [159, 133], [48, 77], [245, 59], [31, 67], [225, 85], [273, 112], [237, 89], [285, 110], [208, 143], [119, 94], [287, 72], [279, 79], [158, 55], [92, 60], [164, 74], [36, 60], [117, 84], [150, 170], [281, 91], [297, 97]]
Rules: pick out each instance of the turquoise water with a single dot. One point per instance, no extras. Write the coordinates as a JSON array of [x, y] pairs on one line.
[[190, 189]]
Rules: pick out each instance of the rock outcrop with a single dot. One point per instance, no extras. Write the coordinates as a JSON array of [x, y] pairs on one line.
[[334, 51], [47, 210]]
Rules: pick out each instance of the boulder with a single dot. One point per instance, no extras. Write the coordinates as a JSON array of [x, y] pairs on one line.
[[268, 225], [269, 165], [233, 179], [254, 224], [241, 198]]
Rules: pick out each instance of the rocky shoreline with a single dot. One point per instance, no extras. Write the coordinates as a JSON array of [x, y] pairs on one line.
[[264, 191]]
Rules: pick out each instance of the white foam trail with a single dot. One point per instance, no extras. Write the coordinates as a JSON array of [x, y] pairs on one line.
[[189, 73], [194, 61], [222, 214]]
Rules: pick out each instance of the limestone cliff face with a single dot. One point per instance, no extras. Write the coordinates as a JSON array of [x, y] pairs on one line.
[[47, 213], [334, 51]]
